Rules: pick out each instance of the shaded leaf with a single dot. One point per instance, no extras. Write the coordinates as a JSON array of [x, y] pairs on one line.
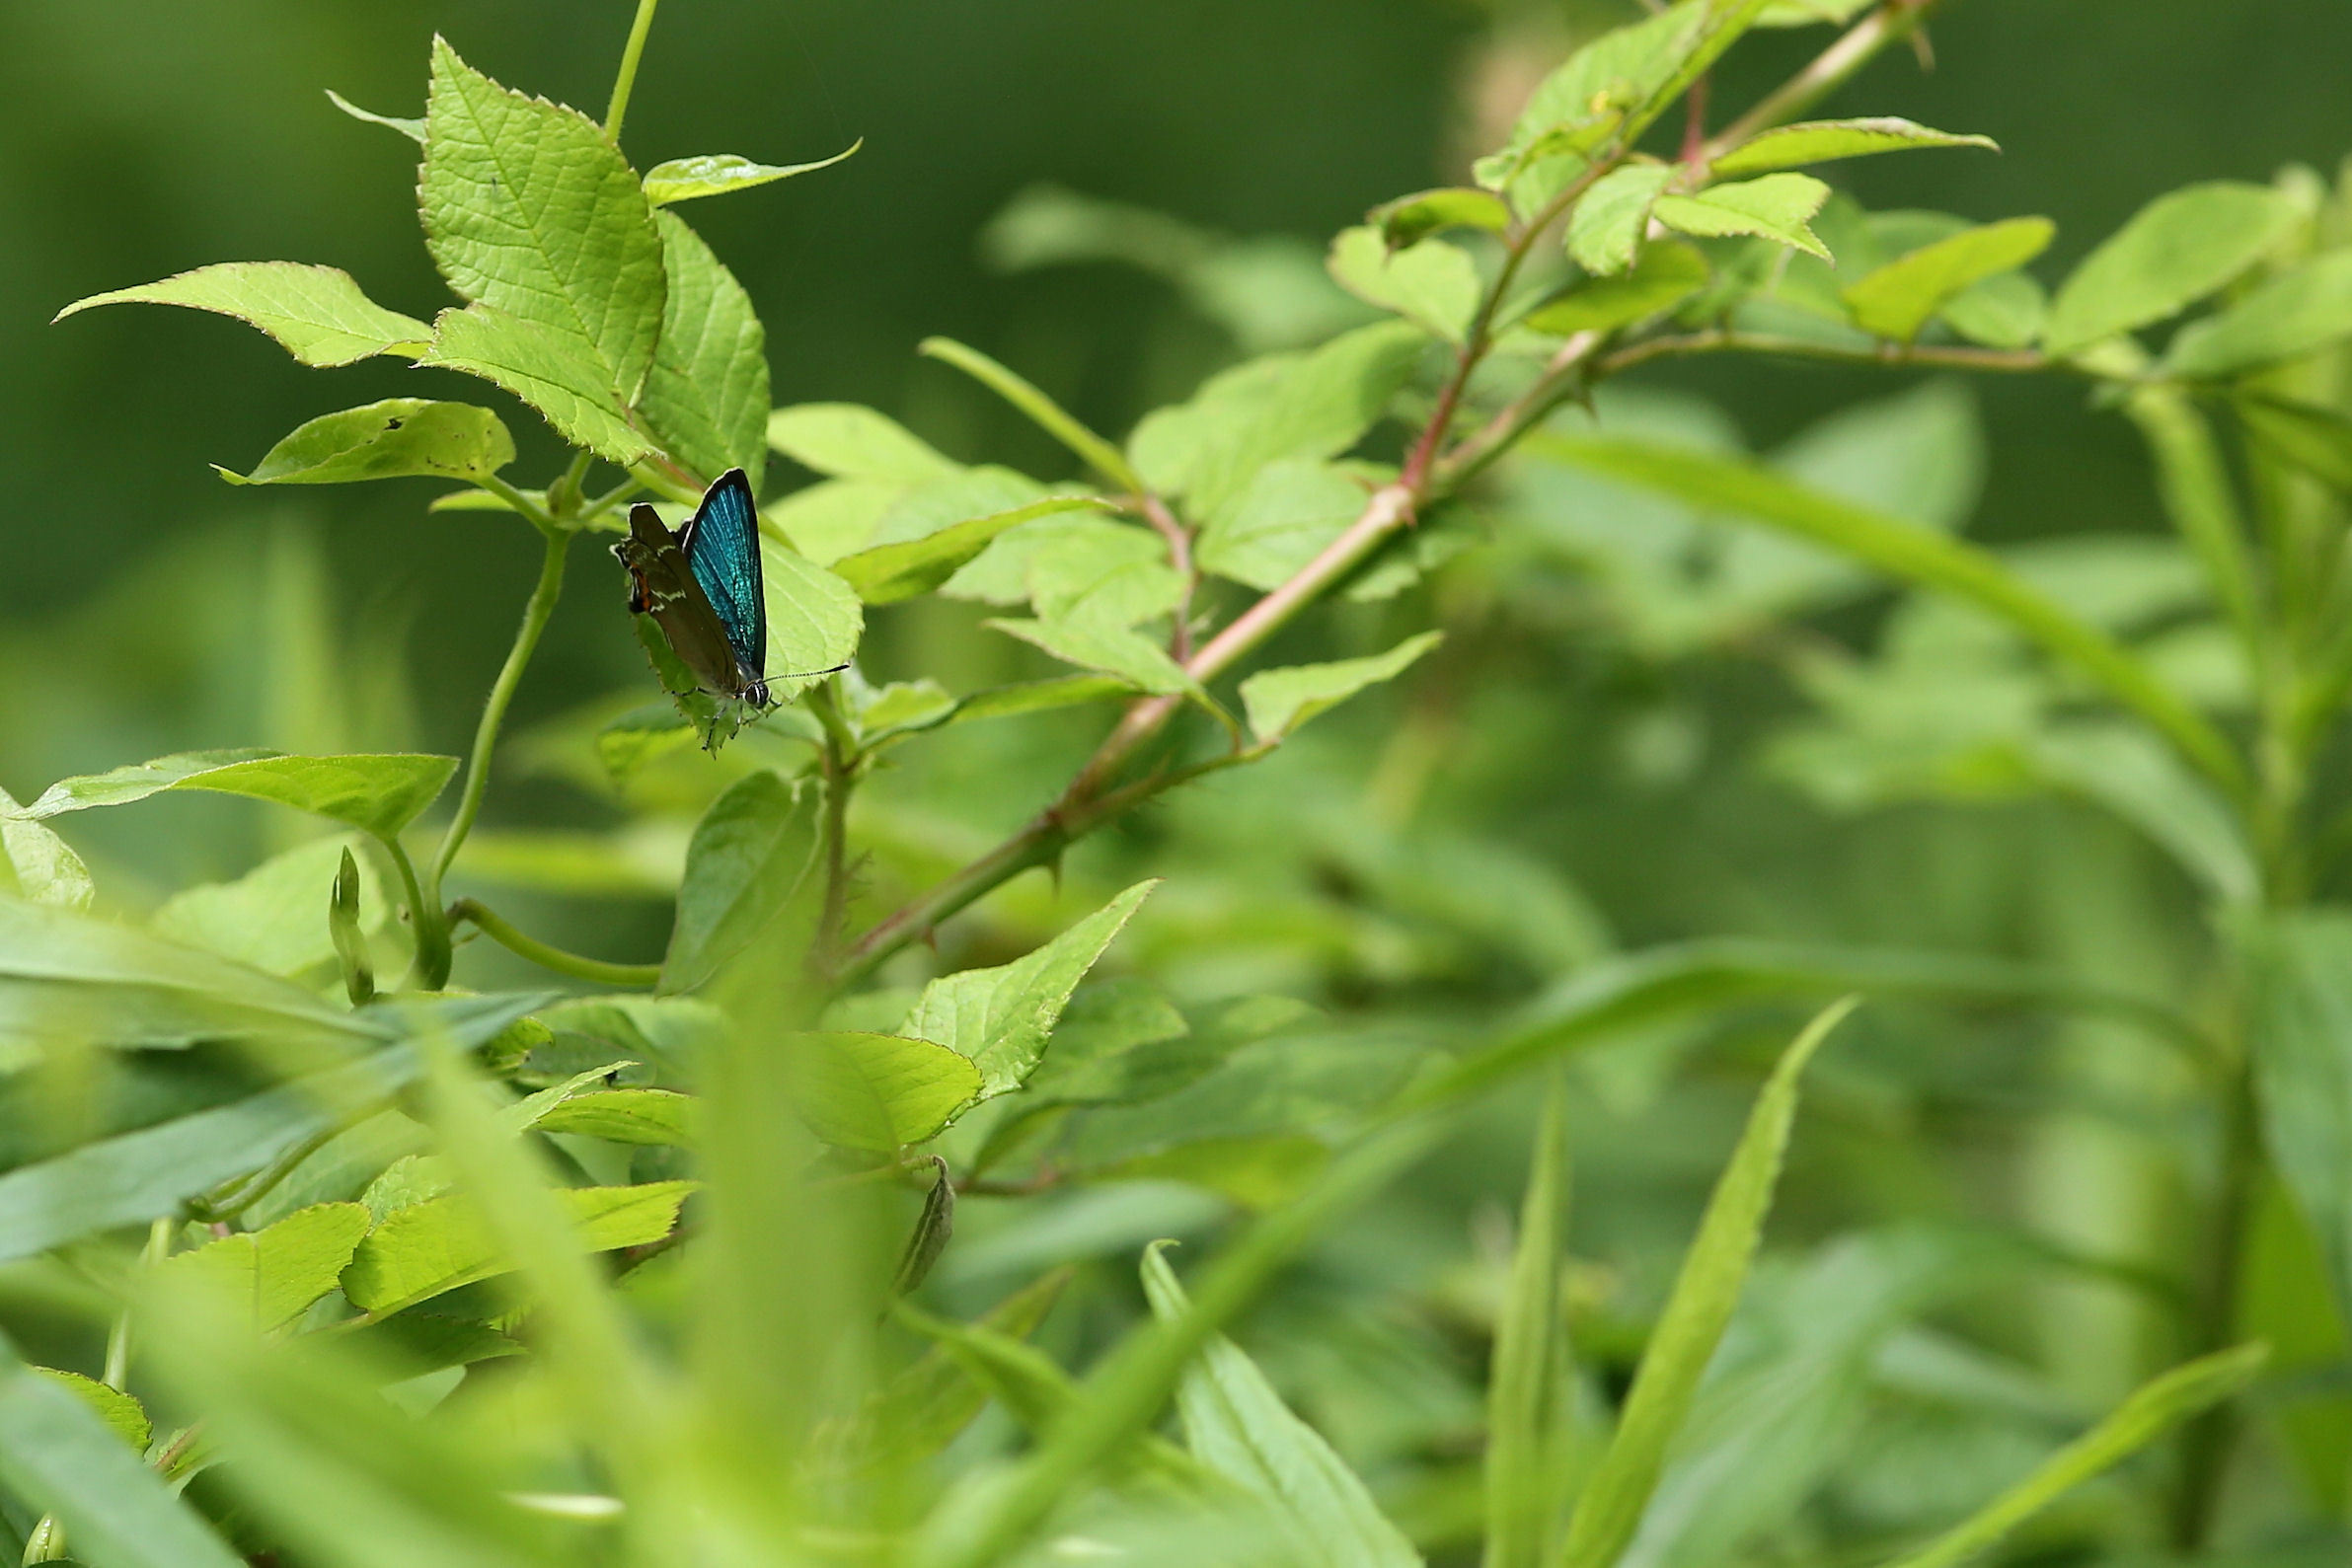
[[276, 916], [717, 174], [2176, 250], [1113, 651], [2152, 1409], [1409, 219], [749, 857], [1824, 140], [1280, 701], [2300, 311], [1430, 284], [378, 795], [387, 440], [2314, 439], [878, 1091], [2005, 311], [1238, 1426], [62, 1455], [627, 1116], [2302, 1064], [317, 313], [1898, 299], [848, 440], [1666, 273]]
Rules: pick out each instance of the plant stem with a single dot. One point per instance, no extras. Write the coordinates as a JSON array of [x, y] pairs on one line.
[[1891, 22], [496, 928], [494, 711], [837, 761], [428, 930], [631, 54], [2207, 1443]]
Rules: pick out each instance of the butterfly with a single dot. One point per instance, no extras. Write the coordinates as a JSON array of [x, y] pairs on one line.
[[702, 586]]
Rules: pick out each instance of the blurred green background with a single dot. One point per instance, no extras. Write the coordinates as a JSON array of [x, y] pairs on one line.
[[138, 138]]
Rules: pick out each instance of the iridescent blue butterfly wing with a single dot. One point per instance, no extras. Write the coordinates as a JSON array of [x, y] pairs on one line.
[[721, 542]]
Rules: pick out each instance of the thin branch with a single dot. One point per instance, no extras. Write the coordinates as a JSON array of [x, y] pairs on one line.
[[547, 956], [1179, 556], [630, 52], [1892, 23], [1723, 339]]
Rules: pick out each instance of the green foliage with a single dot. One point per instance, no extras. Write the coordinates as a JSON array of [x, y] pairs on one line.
[[725, 1258]]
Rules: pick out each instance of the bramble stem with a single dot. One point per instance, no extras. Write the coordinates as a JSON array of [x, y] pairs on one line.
[[486, 738], [631, 54], [546, 957]]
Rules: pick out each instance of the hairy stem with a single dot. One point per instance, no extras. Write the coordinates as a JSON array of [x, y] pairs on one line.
[[630, 52], [498, 930]]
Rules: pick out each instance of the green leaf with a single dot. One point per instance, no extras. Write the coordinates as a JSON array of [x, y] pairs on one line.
[[1773, 208], [878, 1092], [2133, 775], [1238, 1426], [1095, 572], [658, 1116], [1283, 405], [1816, 141], [1036, 696], [36, 864], [427, 1248], [1001, 1017], [2297, 313], [888, 573], [2314, 439], [1410, 219], [390, 440], [717, 174], [1611, 218], [274, 916], [1692, 1323], [921, 1410], [144, 1175], [847, 440], [2302, 992], [1588, 97], [1530, 1357], [707, 396], [814, 620], [832, 518], [530, 209], [2180, 247], [378, 795], [1280, 522], [1113, 651], [2152, 1410], [1280, 701], [1664, 275], [272, 1275], [2005, 311], [62, 1455], [1898, 299], [748, 858], [1430, 284], [1810, 12], [413, 129], [1116, 1045], [119, 1411], [1916, 555], [317, 313], [546, 368]]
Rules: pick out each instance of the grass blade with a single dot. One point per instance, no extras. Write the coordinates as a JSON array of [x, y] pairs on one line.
[[1696, 1316], [1529, 1351], [2138, 1421]]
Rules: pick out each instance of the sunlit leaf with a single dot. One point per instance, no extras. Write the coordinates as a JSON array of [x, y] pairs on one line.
[[1280, 701], [707, 396], [1773, 207], [274, 1274], [317, 313], [1430, 284], [751, 852], [424, 1250], [1825, 140], [848, 440], [2297, 313], [1898, 299], [1610, 221], [378, 795], [878, 1091], [385, 440], [2180, 247], [717, 174]]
